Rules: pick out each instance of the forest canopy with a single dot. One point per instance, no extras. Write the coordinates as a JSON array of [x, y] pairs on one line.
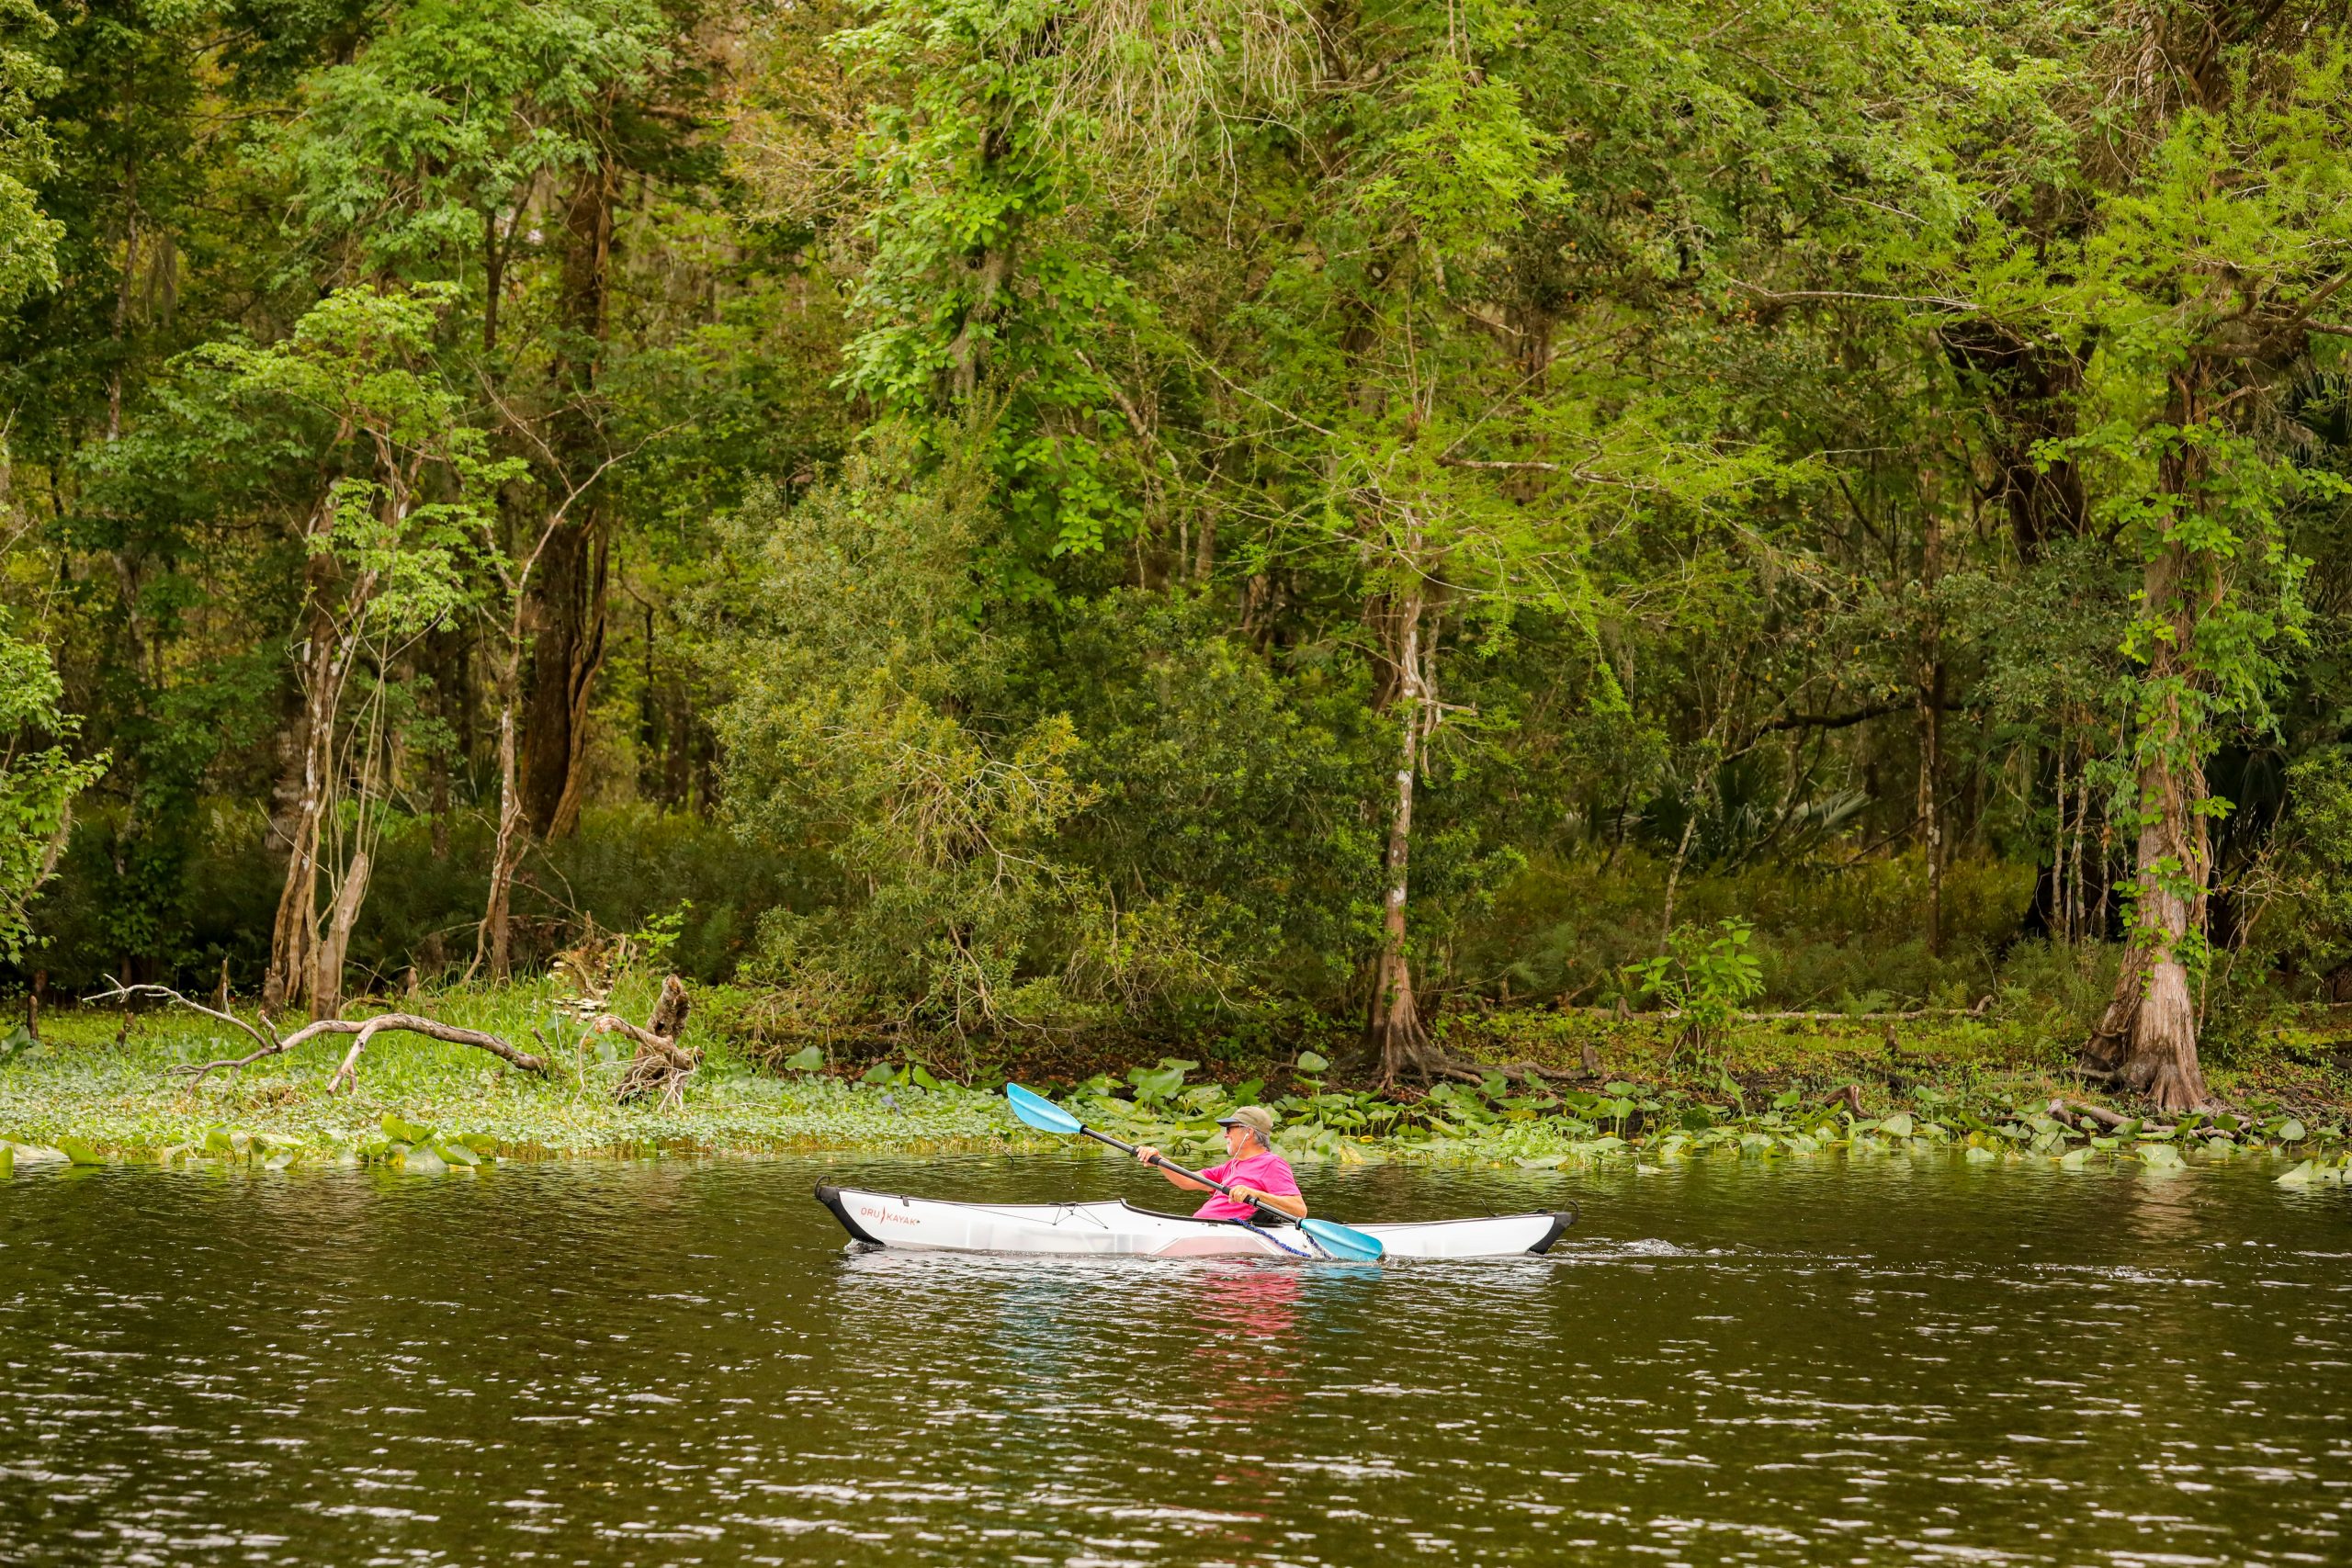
[[1021, 517]]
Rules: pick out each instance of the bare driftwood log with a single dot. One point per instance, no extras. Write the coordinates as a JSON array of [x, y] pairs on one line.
[[1622, 1012], [662, 1066], [2098, 1115], [1524, 1073], [270, 1043], [2107, 1120]]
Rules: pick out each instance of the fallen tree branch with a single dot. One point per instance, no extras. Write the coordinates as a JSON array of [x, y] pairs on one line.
[[2097, 1113], [409, 1023], [1465, 1069], [195, 1072], [269, 1042], [365, 1029], [1984, 1005], [1528, 1071]]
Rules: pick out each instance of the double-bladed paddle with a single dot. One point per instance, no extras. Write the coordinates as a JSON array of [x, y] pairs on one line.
[[1336, 1239]]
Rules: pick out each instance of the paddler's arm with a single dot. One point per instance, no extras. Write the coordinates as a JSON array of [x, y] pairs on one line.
[[1151, 1157], [1295, 1207]]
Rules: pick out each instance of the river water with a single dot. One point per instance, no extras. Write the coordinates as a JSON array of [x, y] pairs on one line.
[[676, 1362]]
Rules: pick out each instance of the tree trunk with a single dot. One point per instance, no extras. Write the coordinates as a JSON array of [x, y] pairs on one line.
[[1396, 1028], [567, 608], [2062, 923], [326, 974], [566, 656], [306, 784], [1674, 876], [2075, 911], [1932, 703], [493, 942], [2148, 1035], [968, 353], [310, 778], [436, 763], [493, 282]]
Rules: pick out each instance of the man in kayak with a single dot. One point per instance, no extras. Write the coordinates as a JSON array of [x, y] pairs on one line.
[[1252, 1169]]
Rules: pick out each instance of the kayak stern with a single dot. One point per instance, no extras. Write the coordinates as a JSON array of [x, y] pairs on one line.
[[831, 1197]]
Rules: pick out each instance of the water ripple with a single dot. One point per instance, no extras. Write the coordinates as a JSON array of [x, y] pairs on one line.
[[1884, 1362]]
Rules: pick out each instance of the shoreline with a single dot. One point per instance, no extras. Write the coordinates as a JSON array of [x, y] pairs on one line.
[[96, 1089]]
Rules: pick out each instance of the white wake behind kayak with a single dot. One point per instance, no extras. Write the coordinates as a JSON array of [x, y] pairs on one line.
[[1120, 1229]]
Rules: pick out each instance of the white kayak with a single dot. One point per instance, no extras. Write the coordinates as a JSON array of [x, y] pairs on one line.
[[1120, 1229]]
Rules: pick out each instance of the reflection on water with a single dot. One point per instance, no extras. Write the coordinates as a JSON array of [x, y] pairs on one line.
[[1880, 1362]]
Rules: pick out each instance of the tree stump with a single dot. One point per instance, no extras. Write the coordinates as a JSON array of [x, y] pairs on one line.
[[662, 1066]]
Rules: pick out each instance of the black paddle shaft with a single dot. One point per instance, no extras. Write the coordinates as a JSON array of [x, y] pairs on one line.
[[1265, 1210]]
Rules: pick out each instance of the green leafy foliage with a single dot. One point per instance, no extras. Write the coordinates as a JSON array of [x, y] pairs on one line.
[[1160, 526], [37, 782], [28, 236], [425, 1150], [1705, 976]]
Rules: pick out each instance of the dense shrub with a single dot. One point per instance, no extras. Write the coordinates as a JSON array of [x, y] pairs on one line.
[[626, 866]]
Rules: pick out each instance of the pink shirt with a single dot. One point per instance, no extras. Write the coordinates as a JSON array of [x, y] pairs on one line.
[[1264, 1172]]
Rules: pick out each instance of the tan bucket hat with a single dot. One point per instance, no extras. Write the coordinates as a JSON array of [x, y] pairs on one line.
[[1257, 1118]]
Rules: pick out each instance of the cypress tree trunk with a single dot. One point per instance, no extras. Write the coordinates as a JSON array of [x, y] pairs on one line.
[[2148, 1035], [2147, 1038]]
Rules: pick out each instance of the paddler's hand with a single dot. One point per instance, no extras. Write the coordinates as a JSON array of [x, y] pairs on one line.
[[1146, 1154], [1241, 1194]]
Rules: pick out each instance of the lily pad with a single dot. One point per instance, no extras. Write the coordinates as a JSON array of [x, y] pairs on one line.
[[404, 1132]]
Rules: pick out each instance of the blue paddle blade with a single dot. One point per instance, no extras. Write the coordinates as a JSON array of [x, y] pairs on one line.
[[1342, 1242], [1038, 1112]]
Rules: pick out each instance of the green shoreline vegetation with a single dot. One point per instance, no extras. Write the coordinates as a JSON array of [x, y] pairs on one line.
[[97, 1089], [1030, 535]]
